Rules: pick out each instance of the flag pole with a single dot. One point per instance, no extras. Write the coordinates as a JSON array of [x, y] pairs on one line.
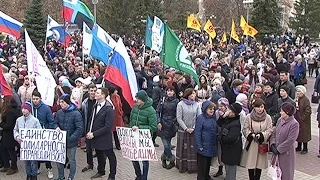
[[46, 39]]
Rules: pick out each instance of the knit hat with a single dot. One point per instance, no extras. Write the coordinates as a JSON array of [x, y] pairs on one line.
[[66, 98], [285, 88], [288, 108], [142, 95], [269, 83], [26, 106], [235, 108], [223, 101], [301, 88], [241, 97], [217, 81]]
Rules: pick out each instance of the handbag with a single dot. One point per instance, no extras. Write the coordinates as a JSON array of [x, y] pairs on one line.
[[315, 97], [274, 171], [263, 148]]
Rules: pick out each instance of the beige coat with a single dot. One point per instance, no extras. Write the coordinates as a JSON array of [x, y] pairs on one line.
[[251, 159]]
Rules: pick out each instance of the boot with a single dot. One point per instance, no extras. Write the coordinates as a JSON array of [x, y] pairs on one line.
[[219, 173], [34, 178], [28, 177], [164, 161], [172, 163]]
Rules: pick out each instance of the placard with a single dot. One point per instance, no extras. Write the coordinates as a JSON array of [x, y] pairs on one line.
[[43, 145], [136, 145]]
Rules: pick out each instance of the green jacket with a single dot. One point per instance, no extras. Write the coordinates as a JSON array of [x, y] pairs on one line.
[[144, 117]]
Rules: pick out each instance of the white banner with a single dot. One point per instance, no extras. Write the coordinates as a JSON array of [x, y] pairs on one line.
[[157, 34], [38, 69], [136, 145], [43, 145]]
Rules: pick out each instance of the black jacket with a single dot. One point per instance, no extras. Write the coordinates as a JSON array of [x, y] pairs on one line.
[[7, 124], [101, 128], [230, 139], [271, 101], [231, 96], [166, 112]]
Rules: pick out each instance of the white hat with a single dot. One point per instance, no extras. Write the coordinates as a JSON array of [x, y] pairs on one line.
[[301, 88], [241, 97], [80, 79]]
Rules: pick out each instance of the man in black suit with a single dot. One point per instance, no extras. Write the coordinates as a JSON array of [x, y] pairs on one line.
[[100, 133]]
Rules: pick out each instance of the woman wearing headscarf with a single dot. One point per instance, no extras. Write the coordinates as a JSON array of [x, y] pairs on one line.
[[217, 91], [223, 104], [257, 130], [283, 139], [303, 116], [187, 111], [9, 115], [230, 139], [205, 136]]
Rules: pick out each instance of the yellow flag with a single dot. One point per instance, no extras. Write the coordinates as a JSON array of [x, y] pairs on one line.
[[250, 31], [223, 39], [193, 23], [208, 27], [243, 23], [234, 34]]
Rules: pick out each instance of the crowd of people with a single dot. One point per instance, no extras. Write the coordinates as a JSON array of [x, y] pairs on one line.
[[247, 95]]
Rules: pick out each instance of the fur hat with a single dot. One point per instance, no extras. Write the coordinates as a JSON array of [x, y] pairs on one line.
[[241, 97], [235, 108], [223, 101], [301, 88], [142, 95], [288, 108], [66, 98], [27, 106]]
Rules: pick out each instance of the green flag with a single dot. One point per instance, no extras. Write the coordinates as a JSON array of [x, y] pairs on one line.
[[176, 55]]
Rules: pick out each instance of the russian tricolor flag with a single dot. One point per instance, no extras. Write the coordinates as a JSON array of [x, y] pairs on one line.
[[9, 25], [4, 86], [120, 72]]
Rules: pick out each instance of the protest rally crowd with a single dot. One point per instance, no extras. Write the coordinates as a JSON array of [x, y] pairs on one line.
[[248, 103]]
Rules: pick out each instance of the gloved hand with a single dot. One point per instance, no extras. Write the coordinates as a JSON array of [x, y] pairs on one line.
[[250, 137], [261, 138], [274, 150]]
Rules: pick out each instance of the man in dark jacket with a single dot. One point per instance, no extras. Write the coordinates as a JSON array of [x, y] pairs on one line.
[[87, 109], [100, 133], [43, 113], [284, 81], [236, 87], [69, 119]]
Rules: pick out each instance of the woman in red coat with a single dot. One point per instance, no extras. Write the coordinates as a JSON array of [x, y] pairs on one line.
[[116, 100]]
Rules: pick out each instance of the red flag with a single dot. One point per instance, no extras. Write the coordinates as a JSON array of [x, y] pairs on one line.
[[4, 86]]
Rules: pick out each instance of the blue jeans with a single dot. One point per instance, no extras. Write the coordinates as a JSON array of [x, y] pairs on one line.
[[137, 169], [31, 167], [167, 146], [71, 154]]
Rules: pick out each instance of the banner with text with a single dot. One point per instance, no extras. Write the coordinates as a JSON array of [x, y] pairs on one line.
[[43, 145], [136, 145]]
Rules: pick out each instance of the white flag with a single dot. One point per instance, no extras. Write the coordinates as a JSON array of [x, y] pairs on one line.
[[37, 68], [157, 34], [87, 39]]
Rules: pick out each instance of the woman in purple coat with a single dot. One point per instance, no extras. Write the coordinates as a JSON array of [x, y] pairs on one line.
[[283, 139]]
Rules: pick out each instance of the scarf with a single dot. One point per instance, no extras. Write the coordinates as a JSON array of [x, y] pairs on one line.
[[258, 117], [188, 102]]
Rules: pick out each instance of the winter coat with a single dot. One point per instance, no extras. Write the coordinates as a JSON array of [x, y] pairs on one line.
[[118, 113], [157, 94], [144, 117], [289, 84], [231, 96], [217, 94], [187, 114], [317, 84], [70, 120], [303, 116], [271, 101], [167, 113], [25, 93], [251, 158], [230, 139], [23, 122], [205, 133], [43, 113], [284, 138], [7, 124]]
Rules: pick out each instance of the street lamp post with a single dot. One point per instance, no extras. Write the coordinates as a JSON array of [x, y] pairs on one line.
[[248, 5], [95, 2]]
